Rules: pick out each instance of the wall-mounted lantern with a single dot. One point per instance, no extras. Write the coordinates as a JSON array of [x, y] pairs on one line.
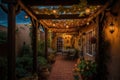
[[111, 27]]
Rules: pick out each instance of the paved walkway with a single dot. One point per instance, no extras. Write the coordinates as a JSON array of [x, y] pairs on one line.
[[62, 69]]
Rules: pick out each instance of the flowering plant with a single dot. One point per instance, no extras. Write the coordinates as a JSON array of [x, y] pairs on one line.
[[76, 72], [87, 68]]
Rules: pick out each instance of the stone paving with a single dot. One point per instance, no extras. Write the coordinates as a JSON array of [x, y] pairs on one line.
[[62, 69]]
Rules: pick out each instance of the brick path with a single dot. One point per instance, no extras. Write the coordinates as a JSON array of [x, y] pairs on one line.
[[62, 69]]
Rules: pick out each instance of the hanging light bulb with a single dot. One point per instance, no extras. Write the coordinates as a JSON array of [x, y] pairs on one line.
[[88, 23], [53, 24], [67, 26], [54, 11], [87, 11], [26, 16]]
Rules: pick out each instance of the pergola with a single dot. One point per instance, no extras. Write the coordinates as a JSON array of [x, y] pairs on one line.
[[53, 21]]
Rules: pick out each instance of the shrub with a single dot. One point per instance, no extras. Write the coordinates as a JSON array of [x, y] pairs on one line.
[[87, 68], [42, 61], [24, 62], [3, 37], [3, 68], [41, 48]]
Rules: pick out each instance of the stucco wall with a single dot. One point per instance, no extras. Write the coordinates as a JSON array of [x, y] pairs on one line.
[[22, 35], [91, 27], [114, 38]]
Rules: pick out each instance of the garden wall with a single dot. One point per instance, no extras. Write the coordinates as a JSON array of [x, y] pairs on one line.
[[22, 35]]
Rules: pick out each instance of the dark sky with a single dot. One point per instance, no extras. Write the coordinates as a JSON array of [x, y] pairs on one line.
[[19, 18]]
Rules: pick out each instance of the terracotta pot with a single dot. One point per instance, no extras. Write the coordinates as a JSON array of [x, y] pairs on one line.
[[45, 73], [87, 77]]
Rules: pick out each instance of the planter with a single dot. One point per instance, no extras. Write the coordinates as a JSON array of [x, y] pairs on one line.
[[44, 73], [76, 75], [29, 78], [87, 77], [53, 61]]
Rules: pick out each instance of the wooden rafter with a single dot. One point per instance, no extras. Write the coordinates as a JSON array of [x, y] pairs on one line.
[[64, 16], [100, 11], [27, 10], [18, 9], [37, 17], [69, 33], [58, 31], [62, 24], [50, 2], [62, 27], [69, 29], [4, 8], [44, 25], [64, 30]]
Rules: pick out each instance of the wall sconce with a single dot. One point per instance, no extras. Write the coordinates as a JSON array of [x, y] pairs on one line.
[[111, 27]]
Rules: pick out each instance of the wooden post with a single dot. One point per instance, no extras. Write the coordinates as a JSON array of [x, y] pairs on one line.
[[46, 47], [102, 47], [11, 42], [34, 45]]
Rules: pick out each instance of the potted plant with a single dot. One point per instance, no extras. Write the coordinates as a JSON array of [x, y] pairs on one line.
[[43, 69], [51, 58], [87, 69], [76, 72]]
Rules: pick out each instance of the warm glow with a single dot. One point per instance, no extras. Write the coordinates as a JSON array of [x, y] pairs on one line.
[[67, 26], [87, 11], [53, 24], [36, 12], [111, 27], [65, 36], [88, 23], [54, 11], [26, 16]]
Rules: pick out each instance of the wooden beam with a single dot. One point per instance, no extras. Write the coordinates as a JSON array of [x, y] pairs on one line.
[[18, 9], [44, 25], [69, 32], [11, 42], [64, 31], [57, 27], [27, 10], [46, 42], [50, 2], [102, 45], [97, 2], [97, 13], [54, 29], [9, 1], [64, 16], [34, 44], [4, 8]]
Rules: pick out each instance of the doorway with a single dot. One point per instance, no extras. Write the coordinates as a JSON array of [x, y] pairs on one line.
[[59, 44]]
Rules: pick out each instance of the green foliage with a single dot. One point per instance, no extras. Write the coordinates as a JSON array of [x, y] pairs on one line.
[[42, 61], [3, 37], [24, 62], [3, 68], [87, 68], [41, 48], [25, 50], [51, 57]]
